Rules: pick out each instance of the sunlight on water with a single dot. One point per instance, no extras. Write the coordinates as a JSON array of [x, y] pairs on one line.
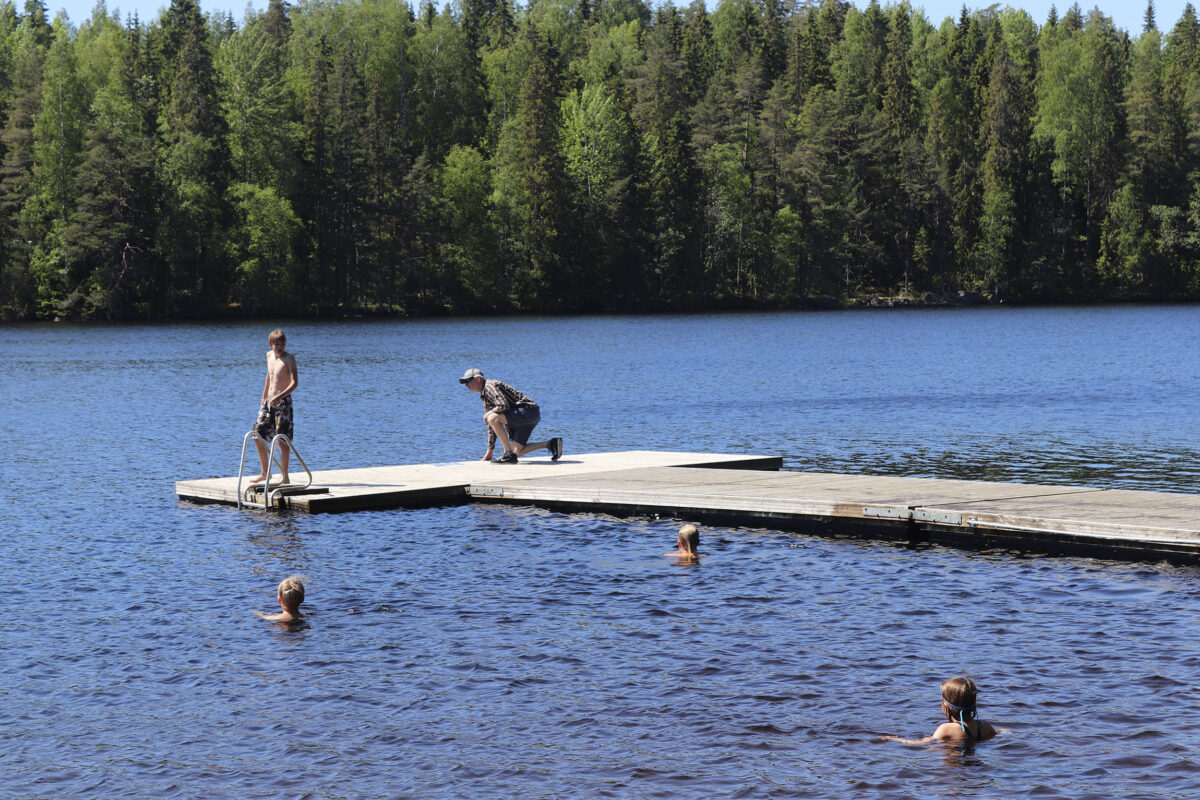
[[508, 652]]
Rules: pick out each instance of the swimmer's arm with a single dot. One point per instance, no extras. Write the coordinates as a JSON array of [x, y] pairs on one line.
[[902, 740], [269, 617]]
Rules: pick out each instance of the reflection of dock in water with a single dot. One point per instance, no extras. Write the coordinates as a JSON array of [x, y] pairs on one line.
[[748, 491]]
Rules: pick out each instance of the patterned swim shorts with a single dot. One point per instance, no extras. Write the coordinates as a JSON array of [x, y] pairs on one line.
[[273, 420]]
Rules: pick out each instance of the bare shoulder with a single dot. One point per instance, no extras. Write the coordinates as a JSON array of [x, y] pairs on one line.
[[953, 732], [948, 732]]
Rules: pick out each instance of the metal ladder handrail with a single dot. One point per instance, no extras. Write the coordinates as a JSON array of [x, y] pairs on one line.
[[270, 496]]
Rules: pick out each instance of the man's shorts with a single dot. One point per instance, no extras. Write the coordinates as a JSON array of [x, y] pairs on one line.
[[521, 422], [275, 420]]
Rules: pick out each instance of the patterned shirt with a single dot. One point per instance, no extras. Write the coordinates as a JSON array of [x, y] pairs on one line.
[[498, 396]]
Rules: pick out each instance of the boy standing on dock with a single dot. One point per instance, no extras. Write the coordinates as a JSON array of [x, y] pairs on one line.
[[511, 417], [275, 416]]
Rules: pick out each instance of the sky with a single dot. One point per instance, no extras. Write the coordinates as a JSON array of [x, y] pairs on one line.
[[1126, 14]]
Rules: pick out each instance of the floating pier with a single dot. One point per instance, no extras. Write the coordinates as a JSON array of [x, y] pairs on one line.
[[748, 490], [422, 485]]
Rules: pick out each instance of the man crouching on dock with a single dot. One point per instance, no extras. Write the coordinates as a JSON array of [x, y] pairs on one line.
[[511, 417]]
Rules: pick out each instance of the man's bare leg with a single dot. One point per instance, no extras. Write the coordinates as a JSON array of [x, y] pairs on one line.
[[285, 453], [522, 449], [497, 422], [262, 457]]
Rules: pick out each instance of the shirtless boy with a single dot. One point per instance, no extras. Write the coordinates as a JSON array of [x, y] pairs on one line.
[[290, 595], [689, 541], [275, 416]]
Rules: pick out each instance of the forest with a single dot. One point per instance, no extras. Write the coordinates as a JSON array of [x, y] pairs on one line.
[[345, 157]]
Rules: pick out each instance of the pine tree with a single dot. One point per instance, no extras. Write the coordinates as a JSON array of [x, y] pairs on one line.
[[899, 103], [1006, 131], [317, 182], [16, 171], [1181, 86], [449, 104], [277, 25], [349, 164], [1151, 163], [531, 184], [194, 166], [773, 53], [673, 205], [37, 24], [256, 101], [8, 35], [58, 138], [109, 238], [697, 50], [1080, 111]]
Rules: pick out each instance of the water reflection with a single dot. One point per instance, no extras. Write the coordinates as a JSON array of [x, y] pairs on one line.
[[508, 652]]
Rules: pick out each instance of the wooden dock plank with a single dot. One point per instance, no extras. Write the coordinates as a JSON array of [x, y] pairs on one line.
[[840, 495], [972, 513], [415, 485], [749, 490], [1115, 513]]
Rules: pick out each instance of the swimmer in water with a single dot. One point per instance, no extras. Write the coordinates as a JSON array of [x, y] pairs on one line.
[[291, 595], [689, 540], [958, 704]]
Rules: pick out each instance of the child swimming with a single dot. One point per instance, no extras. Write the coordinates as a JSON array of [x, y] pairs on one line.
[[290, 595], [689, 541], [958, 704]]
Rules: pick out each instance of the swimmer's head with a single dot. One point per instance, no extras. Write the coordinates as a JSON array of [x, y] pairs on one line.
[[277, 337], [689, 538], [291, 593], [959, 698]]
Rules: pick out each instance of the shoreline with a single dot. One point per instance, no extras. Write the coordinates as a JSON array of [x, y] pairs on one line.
[[870, 301]]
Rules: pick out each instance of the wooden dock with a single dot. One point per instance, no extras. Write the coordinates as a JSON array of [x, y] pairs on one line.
[[1108, 523], [421, 485], [748, 490]]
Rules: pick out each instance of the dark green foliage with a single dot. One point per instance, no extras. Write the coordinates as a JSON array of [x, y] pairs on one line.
[[193, 167], [531, 178], [16, 173], [339, 157]]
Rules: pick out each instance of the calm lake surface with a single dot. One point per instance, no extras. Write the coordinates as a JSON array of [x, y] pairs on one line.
[[503, 652]]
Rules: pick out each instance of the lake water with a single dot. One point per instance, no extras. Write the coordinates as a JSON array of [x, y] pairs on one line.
[[503, 652]]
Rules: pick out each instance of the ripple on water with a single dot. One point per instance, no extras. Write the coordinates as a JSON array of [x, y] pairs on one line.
[[505, 652]]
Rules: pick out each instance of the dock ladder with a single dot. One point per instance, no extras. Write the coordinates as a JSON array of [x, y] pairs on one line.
[[271, 496]]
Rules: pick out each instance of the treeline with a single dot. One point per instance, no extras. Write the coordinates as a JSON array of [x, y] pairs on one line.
[[366, 156]]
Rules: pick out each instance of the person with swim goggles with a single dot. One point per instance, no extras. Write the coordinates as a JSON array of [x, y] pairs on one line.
[[958, 704]]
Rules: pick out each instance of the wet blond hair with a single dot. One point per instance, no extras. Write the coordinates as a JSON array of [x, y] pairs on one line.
[[291, 592], [959, 697], [277, 336], [689, 538]]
